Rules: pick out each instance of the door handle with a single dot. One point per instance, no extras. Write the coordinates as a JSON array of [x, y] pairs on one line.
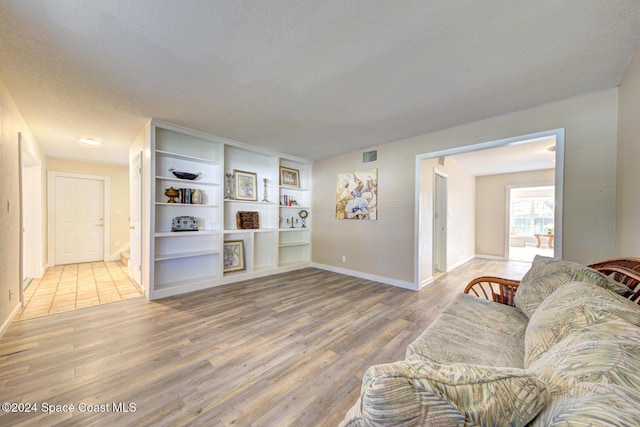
[[99, 225], [132, 227]]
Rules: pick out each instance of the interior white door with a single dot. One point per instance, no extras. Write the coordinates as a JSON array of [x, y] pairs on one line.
[[79, 220], [135, 220]]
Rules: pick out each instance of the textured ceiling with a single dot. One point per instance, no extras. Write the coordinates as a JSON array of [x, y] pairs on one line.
[[309, 78], [518, 157]]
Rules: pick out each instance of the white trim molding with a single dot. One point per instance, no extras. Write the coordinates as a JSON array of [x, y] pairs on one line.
[[366, 276], [7, 322]]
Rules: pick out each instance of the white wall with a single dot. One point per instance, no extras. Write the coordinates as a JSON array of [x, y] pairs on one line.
[[628, 177], [385, 248], [491, 207]]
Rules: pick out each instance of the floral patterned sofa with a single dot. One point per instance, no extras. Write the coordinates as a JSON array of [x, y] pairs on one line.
[[562, 350]]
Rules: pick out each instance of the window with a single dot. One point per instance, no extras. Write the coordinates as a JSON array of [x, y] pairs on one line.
[[532, 215]]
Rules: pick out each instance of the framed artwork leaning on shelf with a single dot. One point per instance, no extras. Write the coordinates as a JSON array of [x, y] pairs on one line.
[[246, 185], [289, 177], [233, 255]]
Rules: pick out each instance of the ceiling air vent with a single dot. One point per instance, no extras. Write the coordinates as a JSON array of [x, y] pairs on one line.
[[370, 156]]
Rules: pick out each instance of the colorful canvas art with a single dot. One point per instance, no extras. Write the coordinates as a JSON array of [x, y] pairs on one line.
[[357, 195]]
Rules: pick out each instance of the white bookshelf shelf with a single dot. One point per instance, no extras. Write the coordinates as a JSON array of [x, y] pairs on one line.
[[168, 233], [188, 182], [290, 244], [165, 257], [180, 156]]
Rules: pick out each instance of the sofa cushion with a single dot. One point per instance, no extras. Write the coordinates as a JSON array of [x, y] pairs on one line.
[[576, 306], [420, 391], [546, 275], [584, 343], [591, 405], [475, 331]]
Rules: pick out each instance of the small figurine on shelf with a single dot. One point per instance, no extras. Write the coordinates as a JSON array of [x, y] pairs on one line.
[[171, 193], [264, 198], [228, 193]]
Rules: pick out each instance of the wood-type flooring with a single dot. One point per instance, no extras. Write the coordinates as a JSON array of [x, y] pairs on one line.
[[285, 350]]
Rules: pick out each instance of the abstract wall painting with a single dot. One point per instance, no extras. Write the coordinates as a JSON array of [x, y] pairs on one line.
[[357, 195]]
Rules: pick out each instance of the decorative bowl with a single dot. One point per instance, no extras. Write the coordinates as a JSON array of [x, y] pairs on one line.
[[184, 175]]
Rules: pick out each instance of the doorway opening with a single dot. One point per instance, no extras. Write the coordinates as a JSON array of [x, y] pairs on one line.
[[531, 212], [495, 229]]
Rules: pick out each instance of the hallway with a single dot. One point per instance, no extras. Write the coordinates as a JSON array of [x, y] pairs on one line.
[[73, 286]]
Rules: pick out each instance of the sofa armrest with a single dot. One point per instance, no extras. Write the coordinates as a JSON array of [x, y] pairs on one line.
[[494, 289], [622, 270]]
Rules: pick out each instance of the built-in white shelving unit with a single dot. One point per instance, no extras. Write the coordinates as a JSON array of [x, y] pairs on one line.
[[294, 241], [185, 261]]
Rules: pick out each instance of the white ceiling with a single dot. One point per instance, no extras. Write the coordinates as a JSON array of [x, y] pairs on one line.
[[310, 78], [517, 157]]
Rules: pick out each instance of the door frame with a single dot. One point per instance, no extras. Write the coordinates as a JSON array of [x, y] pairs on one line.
[[51, 217]]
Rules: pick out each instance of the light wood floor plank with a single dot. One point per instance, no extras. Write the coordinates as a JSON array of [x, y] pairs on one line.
[[288, 349]]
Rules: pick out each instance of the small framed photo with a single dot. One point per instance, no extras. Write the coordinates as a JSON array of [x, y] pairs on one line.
[[246, 185], [233, 255], [289, 177]]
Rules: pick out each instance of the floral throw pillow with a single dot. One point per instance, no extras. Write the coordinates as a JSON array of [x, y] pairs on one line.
[[547, 275], [420, 391]]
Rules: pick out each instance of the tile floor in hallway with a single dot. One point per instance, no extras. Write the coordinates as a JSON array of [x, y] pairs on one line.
[[73, 286]]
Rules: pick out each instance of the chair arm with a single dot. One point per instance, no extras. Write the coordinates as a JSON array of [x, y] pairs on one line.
[[494, 289]]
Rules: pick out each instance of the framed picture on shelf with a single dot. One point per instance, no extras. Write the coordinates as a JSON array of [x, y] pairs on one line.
[[289, 177], [246, 185], [233, 255]]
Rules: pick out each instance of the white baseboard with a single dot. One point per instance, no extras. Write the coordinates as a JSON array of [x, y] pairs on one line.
[[426, 282], [498, 258], [367, 276], [461, 263], [7, 322]]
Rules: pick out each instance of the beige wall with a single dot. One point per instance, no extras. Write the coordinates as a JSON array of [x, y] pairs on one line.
[[119, 196], [461, 213], [461, 210], [11, 123], [628, 191], [491, 196], [385, 248]]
